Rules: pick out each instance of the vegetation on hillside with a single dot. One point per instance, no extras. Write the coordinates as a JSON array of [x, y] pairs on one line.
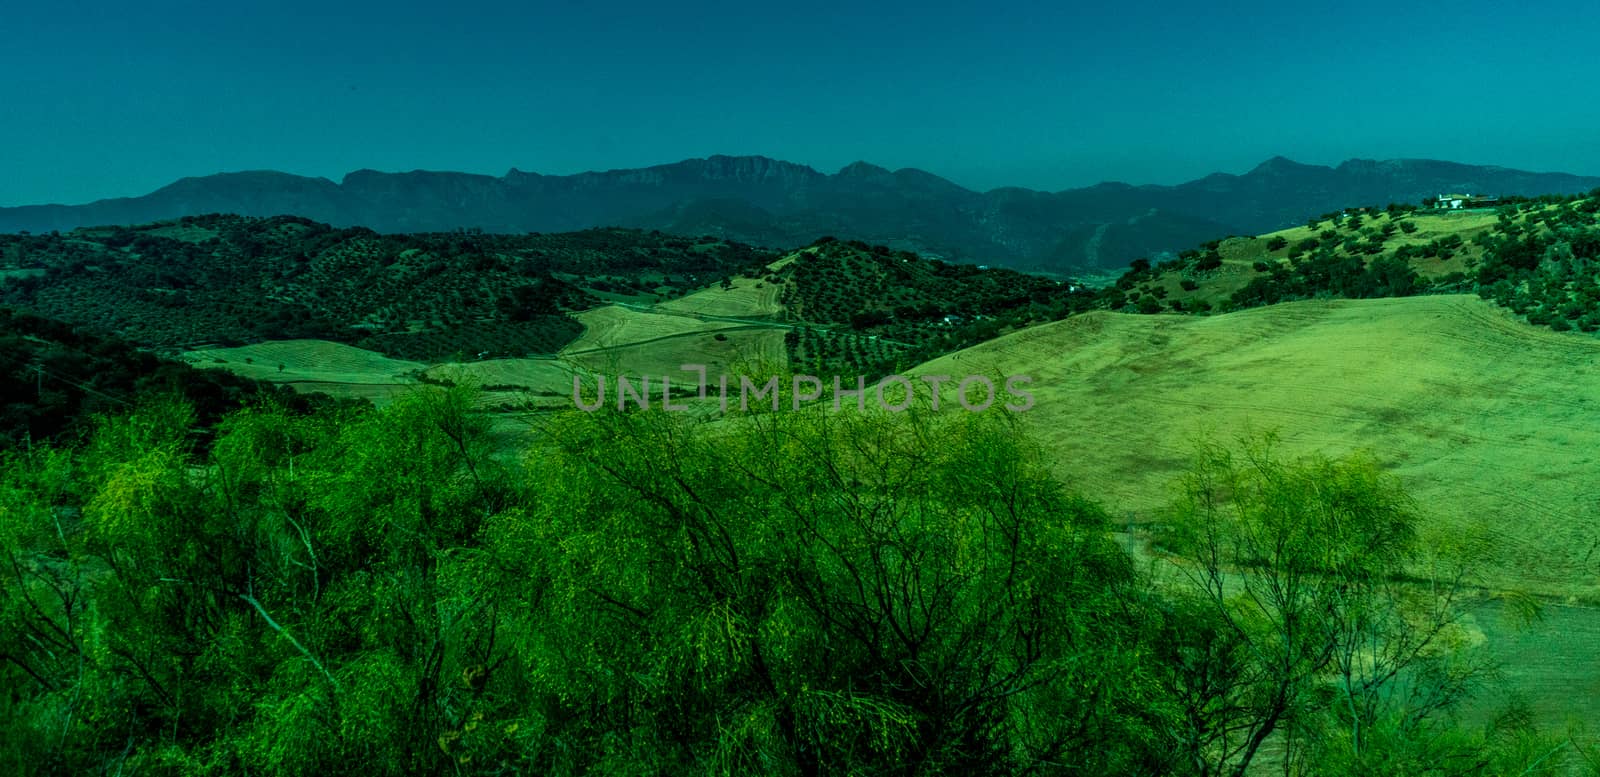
[[870, 310], [857, 309], [1540, 257], [230, 280], [57, 378], [876, 310], [347, 590]]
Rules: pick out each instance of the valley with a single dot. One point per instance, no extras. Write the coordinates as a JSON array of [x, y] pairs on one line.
[[721, 389], [1351, 338]]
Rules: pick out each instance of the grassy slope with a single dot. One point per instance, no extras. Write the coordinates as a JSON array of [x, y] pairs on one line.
[[306, 360], [749, 298], [616, 341], [1489, 422], [620, 341], [612, 326]]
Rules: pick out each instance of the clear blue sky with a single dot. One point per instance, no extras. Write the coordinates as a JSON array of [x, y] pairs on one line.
[[105, 99]]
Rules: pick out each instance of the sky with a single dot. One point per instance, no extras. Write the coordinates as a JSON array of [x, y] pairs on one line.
[[105, 99]]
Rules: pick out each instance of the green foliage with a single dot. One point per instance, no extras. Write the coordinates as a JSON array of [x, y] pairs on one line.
[[902, 309], [376, 592], [1302, 577], [232, 279], [929, 618], [54, 378]]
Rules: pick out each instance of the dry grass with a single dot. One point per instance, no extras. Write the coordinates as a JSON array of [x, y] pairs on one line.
[[749, 298], [307, 360], [540, 376], [1489, 423], [621, 341], [614, 326], [316, 366], [616, 341], [662, 356]]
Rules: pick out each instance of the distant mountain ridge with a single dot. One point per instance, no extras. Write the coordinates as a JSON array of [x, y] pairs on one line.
[[766, 201]]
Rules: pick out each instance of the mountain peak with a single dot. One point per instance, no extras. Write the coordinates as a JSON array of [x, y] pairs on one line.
[[721, 167], [1279, 165], [765, 201], [861, 169]]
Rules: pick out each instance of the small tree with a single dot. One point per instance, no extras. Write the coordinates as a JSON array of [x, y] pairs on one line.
[[1296, 588]]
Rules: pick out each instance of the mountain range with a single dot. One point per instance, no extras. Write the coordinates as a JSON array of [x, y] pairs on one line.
[[769, 202]]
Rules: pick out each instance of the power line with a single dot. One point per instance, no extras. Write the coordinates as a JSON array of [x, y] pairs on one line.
[[40, 372]]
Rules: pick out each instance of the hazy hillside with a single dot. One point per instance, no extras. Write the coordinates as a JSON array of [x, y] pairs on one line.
[[773, 203]]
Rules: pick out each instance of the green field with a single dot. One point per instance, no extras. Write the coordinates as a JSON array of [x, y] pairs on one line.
[[616, 341], [1487, 421], [315, 366], [677, 557]]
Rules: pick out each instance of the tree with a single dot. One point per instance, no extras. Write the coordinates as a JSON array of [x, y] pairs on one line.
[[1295, 585], [866, 590]]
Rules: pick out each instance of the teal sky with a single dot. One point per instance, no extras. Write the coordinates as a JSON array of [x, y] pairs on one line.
[[109, 99]]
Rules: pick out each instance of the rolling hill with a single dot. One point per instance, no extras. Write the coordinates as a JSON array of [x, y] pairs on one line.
[[198, 283], [773, 203], [56, 379], [1489, 422], [230, 280]]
